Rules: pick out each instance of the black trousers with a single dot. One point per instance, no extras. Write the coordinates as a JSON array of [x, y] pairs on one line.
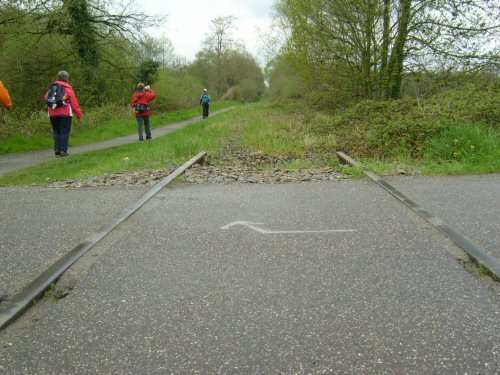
[[61, 126], [205, 109]]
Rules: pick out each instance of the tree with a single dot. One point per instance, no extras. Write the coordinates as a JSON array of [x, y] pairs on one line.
[[219, 39], [83, 31], [239, 68], [159, 49], [98, 41], [365, 46], [217, 43], [394, 69], [148, 72]]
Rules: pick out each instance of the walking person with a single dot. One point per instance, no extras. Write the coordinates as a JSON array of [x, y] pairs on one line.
[[62, 103], [205, 101], [141, 102], [5, 100]]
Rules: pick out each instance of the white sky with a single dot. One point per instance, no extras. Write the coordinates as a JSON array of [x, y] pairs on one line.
[[188, 21]]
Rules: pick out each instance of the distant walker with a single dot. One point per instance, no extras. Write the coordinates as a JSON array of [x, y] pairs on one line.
[[205, 101]]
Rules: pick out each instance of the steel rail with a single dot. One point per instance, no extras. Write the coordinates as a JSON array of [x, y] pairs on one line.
[[15, 306], [474, 251]]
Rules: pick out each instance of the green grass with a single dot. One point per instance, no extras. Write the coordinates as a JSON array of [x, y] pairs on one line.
[[307, 138], [465, 147], [97, 125], [17, 143], [161, 153], [459, 149]]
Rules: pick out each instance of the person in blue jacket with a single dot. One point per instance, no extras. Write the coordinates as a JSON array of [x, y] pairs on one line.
[[205, 101]]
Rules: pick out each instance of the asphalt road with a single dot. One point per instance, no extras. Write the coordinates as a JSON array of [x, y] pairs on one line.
[[258, 279], [39, 225], [469, 204]]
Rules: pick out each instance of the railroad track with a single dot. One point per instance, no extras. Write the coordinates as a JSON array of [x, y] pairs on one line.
[[477, 254], [15, 306]]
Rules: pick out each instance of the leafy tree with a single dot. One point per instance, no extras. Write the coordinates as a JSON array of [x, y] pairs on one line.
[[235, 66], [148, 72], [365, 46], [159, 49], [98, 42], [283, 79], [223, 64], [83, 32]]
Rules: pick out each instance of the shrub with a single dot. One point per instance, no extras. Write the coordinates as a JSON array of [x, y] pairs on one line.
[[176, 90], [386, 129]]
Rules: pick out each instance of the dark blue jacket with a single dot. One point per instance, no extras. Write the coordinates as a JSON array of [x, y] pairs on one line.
[[205, 98]]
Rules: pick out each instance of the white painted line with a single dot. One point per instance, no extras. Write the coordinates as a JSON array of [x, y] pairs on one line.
[[252, 225]]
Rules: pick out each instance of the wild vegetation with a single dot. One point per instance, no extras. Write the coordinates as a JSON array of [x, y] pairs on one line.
[[407, 84], [365, 49], [103, 46], [445, 142]]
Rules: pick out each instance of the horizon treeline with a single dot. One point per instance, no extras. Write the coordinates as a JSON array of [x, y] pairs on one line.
[[105, 51]]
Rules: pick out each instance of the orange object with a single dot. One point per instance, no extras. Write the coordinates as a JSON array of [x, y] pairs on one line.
[[5, 97]]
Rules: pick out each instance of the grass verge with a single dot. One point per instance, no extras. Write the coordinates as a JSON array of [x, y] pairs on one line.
[[296, 133], [97, 125], [162, 152]]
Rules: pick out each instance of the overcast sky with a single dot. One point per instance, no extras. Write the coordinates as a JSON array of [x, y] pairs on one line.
[[189, 20]]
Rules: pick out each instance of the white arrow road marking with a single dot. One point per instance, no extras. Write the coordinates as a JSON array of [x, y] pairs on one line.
[[260, 230]]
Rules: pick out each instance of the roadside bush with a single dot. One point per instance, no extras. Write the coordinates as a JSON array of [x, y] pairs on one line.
[[284, 82], [388, 129], [22, 133], [17, 124], [176, 90], [38, 123], [246, 91], [470, 103]]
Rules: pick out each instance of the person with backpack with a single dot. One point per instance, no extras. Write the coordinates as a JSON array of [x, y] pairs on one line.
[[205, 101], [141, 102], [5, 100], [62, 103]]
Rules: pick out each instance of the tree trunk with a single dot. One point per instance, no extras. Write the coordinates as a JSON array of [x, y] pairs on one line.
[[367, 53], [384, 54], [83, 33], [395, 67]]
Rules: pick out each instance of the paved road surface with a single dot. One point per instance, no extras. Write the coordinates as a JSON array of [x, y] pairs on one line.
[[39, 225], [177, 293], [255, 279], [469, 204]]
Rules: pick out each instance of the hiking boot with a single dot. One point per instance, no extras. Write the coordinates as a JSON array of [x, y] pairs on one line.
[[57, 153], [63, 153]]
